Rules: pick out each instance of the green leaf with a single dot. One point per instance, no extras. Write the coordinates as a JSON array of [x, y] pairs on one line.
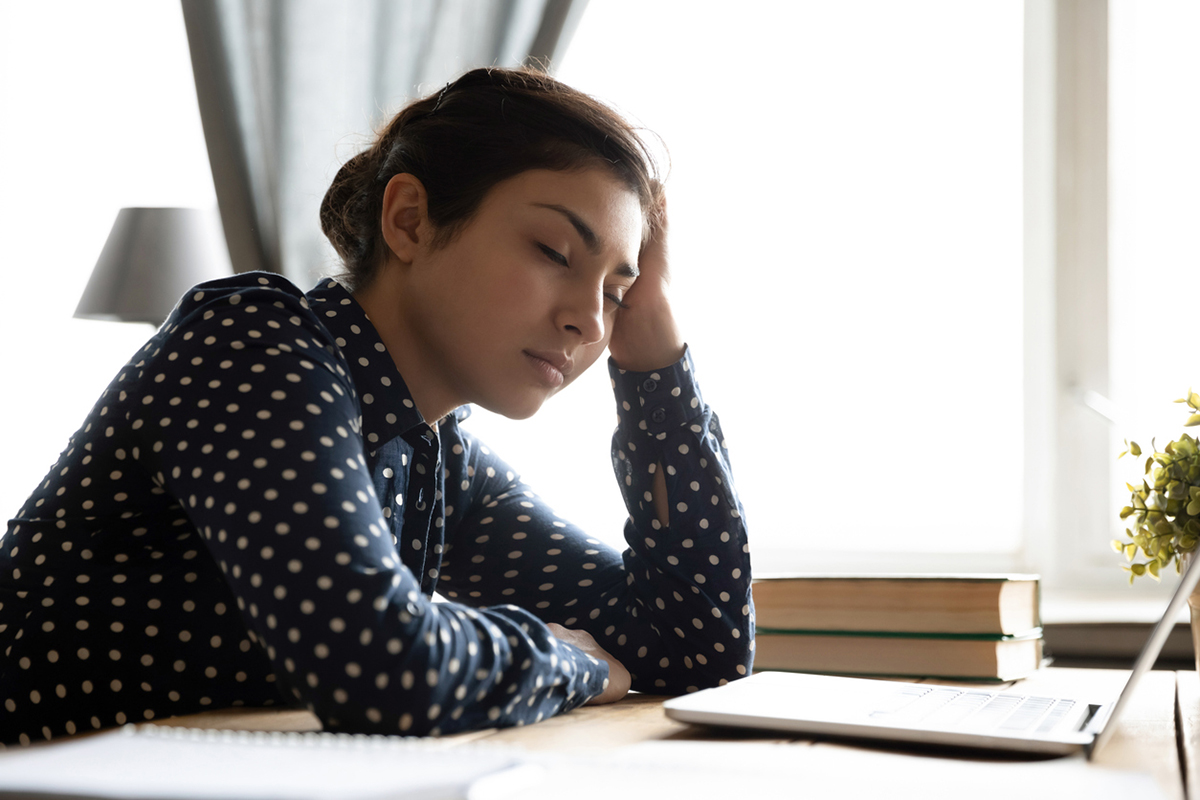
[[1118, 545], [1192, 421], [1130, 551], [1152, 567], [1138, 569], [1134, 449]]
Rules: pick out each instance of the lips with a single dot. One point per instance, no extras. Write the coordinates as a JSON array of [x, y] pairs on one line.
[[553, 366]]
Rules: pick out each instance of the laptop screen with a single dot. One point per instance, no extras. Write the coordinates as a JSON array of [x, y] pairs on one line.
[[1150, 651]]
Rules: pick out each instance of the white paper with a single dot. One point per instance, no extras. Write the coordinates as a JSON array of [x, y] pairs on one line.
[[182, 764]]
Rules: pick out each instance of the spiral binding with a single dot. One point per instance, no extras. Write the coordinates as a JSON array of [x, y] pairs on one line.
[[307, 739]]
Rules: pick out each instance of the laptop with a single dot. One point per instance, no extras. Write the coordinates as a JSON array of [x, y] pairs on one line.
[[862, 708]]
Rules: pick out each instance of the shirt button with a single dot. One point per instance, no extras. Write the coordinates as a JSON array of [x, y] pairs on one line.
[[649, 384], [658, 415]]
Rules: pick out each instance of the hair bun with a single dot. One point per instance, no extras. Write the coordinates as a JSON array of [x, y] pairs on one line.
[[342, 208]]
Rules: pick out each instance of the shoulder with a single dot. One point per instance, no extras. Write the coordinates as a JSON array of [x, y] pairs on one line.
[[230, 320], [256, 308], [248, 293]]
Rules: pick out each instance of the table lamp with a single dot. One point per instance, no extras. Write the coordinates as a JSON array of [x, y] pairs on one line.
[[153, 256]]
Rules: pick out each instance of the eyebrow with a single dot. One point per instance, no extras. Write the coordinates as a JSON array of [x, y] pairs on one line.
[[590, 239]]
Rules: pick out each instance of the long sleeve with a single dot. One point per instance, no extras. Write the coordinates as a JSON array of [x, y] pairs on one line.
[[301, 540], [675, 607], [213, 536]]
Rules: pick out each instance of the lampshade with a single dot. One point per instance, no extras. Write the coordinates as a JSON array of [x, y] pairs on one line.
[[153, 256]]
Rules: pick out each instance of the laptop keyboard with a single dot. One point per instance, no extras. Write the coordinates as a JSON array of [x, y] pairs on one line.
[[957, 709]]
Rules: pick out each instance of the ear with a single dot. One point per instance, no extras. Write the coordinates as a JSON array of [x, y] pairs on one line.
[[405, 219]]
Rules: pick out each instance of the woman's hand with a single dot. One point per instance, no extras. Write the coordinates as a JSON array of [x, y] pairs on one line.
[[618, 676], [645, 336]]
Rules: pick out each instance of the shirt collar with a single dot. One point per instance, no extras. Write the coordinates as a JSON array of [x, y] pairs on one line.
[[387, 406]]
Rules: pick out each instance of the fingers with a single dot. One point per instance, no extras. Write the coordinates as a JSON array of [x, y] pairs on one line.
[[568, 635], [619, 679], [656, 236], [658, 210]]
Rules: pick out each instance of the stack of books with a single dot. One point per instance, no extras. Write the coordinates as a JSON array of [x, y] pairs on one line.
[[970, 626]]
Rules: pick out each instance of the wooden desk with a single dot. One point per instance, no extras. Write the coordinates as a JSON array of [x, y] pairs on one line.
[[1146, 740]]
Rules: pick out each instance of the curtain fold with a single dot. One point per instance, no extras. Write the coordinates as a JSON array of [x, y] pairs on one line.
[[289, 89]]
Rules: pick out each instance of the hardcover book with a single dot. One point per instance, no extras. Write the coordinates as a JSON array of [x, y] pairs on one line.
[[948, 656], [956, 603]]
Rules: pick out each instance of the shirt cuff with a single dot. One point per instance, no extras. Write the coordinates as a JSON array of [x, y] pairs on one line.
[[589, 676], [660, 400]]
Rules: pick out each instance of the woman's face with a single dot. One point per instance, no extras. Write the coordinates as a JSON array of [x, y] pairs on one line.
[[524, 298]]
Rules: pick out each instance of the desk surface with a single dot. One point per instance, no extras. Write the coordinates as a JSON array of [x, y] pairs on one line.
[[1146, 739]]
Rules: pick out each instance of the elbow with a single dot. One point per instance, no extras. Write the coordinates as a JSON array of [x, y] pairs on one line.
[[687, 670]]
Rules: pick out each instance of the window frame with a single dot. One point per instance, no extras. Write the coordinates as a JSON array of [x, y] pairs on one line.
[[1066, 503]]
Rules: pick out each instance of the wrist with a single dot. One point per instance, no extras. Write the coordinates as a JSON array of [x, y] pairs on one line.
[[646, 343], [651, 360]]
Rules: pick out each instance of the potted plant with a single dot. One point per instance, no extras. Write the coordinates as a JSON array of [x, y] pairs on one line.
[[1165, 510]]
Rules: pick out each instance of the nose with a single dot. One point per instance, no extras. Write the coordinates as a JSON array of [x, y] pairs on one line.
[[581, 313]]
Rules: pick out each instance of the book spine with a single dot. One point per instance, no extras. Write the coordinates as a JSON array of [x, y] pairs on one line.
[[1034, 633]]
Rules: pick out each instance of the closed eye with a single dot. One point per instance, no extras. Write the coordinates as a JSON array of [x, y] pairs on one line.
[[559, 258], [553, 255], [619, 303]]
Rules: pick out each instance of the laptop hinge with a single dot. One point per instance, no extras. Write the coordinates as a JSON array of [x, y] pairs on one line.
[[1093, 710]]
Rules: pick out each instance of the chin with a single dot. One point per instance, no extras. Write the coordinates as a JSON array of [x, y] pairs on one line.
[[518, 409]]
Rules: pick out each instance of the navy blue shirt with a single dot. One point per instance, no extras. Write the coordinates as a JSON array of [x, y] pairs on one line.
[[255, 513]]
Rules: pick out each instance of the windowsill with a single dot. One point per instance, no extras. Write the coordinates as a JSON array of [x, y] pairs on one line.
[[1096, 630]]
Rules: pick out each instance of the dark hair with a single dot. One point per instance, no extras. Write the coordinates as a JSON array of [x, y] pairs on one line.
[[485, 127]]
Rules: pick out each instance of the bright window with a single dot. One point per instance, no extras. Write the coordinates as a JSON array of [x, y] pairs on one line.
[[845, 190], [1155, 272]]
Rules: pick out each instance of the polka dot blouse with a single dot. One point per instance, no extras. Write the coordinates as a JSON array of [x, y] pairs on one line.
[[254, 513]]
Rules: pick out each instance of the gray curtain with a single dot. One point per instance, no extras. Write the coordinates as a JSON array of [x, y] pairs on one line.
[[289, 89]]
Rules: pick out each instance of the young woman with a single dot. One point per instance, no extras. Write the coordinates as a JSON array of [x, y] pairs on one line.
[[261, 505]]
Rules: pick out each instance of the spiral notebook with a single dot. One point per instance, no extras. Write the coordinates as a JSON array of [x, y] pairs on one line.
[[147, 761]]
